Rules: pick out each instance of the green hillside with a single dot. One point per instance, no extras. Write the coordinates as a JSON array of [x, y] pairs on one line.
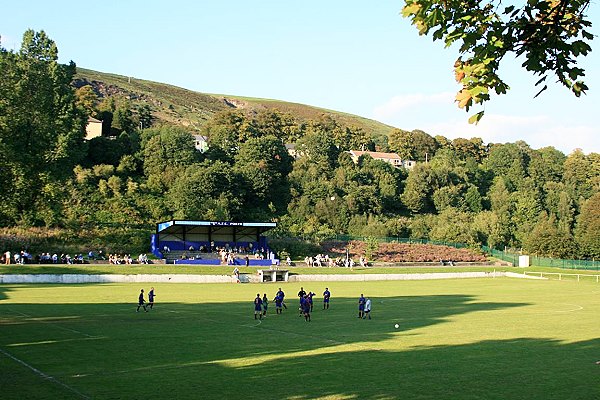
[[185, 107]]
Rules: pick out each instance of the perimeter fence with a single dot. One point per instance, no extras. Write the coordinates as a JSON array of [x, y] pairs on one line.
[[397, 239], [511, 257]]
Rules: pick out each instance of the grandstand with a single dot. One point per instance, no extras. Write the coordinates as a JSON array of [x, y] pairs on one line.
[[199, 242]]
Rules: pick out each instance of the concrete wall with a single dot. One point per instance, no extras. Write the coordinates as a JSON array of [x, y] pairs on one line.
[[392, 277], [72, 278], [244, 278]]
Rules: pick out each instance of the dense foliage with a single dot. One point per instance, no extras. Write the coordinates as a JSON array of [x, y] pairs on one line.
[[137, 174], [547, 35]]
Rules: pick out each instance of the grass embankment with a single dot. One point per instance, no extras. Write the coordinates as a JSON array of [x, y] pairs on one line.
[[193, 109], [457, 339]]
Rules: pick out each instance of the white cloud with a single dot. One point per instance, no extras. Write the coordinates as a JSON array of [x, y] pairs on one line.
[[437, 114], [537, 130]]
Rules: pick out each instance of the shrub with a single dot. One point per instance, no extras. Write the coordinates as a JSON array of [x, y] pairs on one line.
[[296, 248]]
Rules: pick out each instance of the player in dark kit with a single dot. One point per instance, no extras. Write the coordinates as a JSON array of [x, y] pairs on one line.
[[361, 306], [306, 308], [151, 298], [310, 299], [265, 304], [326, 296], [141, 302], [258, 306], [282, 295], [301, 295], [278, 302]]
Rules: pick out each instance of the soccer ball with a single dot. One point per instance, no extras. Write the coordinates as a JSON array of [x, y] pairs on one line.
[[396, 326]]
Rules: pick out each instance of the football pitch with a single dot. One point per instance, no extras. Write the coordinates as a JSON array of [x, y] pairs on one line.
[[457, 339]]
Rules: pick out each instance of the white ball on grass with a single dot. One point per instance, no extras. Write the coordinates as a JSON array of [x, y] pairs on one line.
[[396, 326]]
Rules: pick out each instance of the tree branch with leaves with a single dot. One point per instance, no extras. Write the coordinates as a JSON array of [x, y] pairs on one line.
[[550, 34]]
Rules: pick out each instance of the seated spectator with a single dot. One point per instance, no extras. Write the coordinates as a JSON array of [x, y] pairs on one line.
[[91, 255], [288, 261], [362, 261]]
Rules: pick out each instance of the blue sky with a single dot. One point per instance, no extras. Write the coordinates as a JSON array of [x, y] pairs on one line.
[[354, 56]]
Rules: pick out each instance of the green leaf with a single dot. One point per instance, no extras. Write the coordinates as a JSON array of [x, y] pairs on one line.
[[478, 90], [475, 118], [410, 9]]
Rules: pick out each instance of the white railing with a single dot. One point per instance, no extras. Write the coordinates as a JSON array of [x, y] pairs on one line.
[[561, 275]]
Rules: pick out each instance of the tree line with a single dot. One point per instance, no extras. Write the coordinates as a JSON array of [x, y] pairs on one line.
[[141, 172]]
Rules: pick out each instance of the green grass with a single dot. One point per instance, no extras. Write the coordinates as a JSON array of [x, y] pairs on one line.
[[458, 339], [194, 109], [227, 270]]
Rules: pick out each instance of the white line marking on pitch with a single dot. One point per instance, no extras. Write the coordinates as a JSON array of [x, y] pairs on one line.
[[55, 324], [577, 308], [43, 375]]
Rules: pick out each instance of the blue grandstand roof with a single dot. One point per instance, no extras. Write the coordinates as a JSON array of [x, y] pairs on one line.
[[164, 225]]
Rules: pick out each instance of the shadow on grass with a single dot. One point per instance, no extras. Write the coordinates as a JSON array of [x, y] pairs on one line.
[[217, 350], [499, 369], [4, 289]]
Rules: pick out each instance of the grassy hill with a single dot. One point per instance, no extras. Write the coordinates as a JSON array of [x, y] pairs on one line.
[[175, 105]]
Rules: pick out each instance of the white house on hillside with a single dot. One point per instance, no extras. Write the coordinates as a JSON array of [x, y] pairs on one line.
[[93, 128], [291, 149], [200, 143], [390, 158]]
